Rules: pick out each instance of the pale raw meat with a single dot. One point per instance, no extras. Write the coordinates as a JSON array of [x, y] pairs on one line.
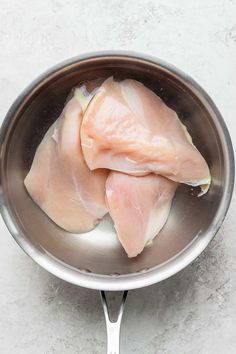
[[59, 180], [128, 128], [139, 207]]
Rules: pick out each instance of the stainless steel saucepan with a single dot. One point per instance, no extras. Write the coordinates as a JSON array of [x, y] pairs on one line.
[[96, 260]]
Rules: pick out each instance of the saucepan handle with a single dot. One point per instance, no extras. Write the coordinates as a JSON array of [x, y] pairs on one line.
[[113, 327]]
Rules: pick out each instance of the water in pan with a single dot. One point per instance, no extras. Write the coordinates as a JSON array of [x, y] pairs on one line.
[[188, 216]]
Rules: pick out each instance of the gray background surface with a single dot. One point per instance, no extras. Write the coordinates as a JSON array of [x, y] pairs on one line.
[[194, 312]]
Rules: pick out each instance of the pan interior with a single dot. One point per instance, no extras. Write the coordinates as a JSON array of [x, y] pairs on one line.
[[99, 251]]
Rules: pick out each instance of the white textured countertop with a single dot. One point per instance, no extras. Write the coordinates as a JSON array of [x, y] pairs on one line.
[[193, 312]]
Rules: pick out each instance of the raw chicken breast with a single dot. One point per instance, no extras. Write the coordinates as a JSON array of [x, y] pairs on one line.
[[128, 128], [59, 180], [139, 207]]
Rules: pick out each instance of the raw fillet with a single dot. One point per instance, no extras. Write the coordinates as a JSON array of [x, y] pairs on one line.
[[59, 180], [128, 128], [139, 207]]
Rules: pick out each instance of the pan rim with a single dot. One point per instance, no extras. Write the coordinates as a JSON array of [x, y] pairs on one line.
[[132, 280]]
